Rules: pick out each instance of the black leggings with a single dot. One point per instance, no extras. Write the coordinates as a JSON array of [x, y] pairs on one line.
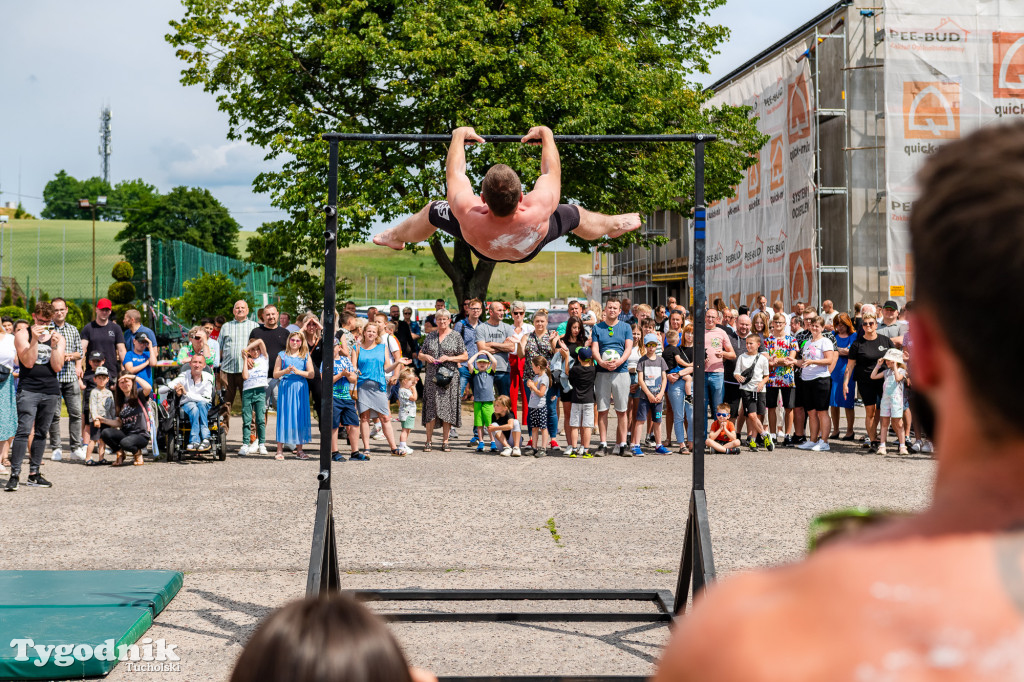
[[117, 441]]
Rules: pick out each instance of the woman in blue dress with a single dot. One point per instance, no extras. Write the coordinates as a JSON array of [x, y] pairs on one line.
[[845, 336], [373, 360], [294, 368]]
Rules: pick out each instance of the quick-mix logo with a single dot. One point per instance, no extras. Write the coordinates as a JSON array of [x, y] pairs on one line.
[[754, 184], [798, 113], [777, 179], [801, 283], [715, 209], [1008, 72], [931, 111], [733, 203]]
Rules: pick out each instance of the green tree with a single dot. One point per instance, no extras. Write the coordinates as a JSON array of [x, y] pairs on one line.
[[188, 214], [287, 72], [63, 192], [208, 295]]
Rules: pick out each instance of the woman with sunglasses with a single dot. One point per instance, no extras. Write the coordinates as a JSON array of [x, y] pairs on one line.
[[863, 355], [517, 363], [197, 345], [294, 368], [845, 336]]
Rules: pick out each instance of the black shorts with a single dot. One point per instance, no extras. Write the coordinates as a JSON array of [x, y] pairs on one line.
[[753, 403], [788, 396], [731, 397], [564, 220], [870, 390], [817, 393]]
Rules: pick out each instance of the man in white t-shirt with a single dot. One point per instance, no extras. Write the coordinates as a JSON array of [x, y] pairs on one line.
[[828, 313]]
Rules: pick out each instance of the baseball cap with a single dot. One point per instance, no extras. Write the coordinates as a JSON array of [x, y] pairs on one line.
[[95, 355], [651, 338], [584, 353], [104, 303], [892, 305], [143, 338], [101, 371]]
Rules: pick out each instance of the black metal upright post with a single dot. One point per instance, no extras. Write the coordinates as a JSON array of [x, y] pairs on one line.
[[697, 561], [323, 559]]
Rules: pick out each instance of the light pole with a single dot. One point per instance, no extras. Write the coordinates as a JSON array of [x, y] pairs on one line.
[[85, 205]]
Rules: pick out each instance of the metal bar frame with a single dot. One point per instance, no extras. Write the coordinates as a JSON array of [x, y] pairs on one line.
[[696, 564]]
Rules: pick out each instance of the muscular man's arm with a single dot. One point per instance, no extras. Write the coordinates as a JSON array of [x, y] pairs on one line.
[[548, 189], [460, 191]]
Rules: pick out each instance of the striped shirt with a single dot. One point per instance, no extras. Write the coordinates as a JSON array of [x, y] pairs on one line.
[[233, 338], [72, 344]]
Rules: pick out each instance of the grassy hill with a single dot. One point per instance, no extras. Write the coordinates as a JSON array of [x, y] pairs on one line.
[[55, 256]]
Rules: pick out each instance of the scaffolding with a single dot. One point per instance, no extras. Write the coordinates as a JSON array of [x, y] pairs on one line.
[[844, 44]]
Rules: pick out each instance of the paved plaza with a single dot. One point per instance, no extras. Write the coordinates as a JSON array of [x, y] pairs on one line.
[[241, 532]]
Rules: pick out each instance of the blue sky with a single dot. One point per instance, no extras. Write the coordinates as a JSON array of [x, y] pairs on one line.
[[61, 61]]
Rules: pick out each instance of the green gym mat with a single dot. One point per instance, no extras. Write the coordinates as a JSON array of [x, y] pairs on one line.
[[152, 589], [80, 623]]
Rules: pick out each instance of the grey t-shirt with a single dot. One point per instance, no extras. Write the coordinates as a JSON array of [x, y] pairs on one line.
[[498, 333], [891, 331], [483, 387]]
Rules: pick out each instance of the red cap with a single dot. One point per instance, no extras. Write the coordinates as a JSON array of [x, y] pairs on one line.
[[104, 303]]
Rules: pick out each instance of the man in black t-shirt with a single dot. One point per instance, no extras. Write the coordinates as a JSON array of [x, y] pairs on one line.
[[104, 335], [275, 338], [41, 356]]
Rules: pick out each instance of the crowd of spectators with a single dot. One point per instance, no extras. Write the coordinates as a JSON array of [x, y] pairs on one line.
[[780, 379]]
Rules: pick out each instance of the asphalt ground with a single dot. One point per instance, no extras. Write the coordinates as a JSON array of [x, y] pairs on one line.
[[241, 532]]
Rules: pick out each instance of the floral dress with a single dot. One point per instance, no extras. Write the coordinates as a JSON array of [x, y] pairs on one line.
[[439, 402]]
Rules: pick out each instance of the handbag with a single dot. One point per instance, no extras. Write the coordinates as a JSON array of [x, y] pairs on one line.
[[444, 376], [5, 373]]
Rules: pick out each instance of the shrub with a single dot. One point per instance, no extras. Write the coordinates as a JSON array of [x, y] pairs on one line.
[[121, 292], [208, 295], [14, 312], [123, 271]]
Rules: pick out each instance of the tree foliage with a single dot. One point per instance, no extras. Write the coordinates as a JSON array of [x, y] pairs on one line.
[[287, 72], [208, 295], [61, 197], [188, 214]]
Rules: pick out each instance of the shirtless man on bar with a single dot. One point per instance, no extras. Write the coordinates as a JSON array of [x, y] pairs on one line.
[[502, 224], [938, 595]]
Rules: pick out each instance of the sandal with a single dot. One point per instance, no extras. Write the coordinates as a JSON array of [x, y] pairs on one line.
[[119, 460], [849, 436], [445, 447], [279, 456], [428, 447], [138, 460]]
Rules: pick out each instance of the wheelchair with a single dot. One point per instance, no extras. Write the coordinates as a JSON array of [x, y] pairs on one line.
[[175, 427]]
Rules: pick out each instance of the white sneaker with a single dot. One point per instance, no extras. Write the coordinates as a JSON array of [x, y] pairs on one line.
[[903, 450], [568, 451], [506, 452], [516, 452], [3, 469], [243, 451], [916, 447], [881, 449], [406, 449], [820, 446], [263, 449], [806, 445], [452, 433], [79, 452], [57, 455], [780, 436], [926, 446]]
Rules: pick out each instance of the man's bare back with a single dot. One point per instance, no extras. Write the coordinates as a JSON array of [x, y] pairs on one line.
[[898, 604], [502, 224]]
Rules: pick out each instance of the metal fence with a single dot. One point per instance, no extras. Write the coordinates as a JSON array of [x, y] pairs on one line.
[[73, 259]]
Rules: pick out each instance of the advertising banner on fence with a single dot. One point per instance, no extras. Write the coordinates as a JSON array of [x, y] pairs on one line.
[[761, 240], [950, 68]]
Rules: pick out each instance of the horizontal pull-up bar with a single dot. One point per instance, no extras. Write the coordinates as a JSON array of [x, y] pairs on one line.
[[559, 139]]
